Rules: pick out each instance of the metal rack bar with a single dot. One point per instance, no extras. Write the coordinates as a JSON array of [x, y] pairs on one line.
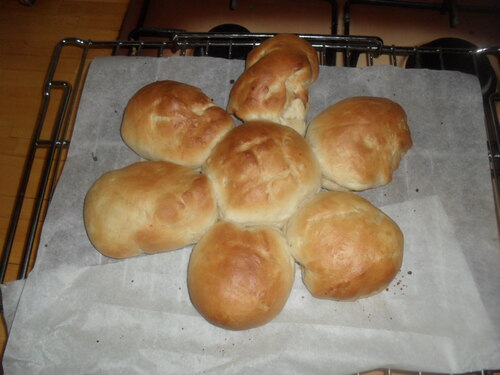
[[47, 177], [54, 145], [493, 129], [391, 371]]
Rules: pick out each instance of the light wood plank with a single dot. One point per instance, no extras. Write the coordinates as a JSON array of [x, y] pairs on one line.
[[28, 36]]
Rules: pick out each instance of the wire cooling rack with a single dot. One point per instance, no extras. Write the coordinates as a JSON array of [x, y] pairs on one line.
[[53, 133], [65, 77], [62, 87]]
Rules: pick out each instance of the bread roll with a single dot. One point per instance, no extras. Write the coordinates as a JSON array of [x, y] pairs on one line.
[[347, 248], [240, 277], [148, 207], [282, 43], [275, 83], [359, 142], [261, 171], [172, 121]]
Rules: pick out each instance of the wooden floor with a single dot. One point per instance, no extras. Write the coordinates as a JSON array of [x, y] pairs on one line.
[[28, 35]]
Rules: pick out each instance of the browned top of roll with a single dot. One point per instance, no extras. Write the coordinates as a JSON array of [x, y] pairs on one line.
[[148, 207], [173, 121], [275, 84], [261, 171], [240, 277], [359, 142], [347, 248], [285, 43]]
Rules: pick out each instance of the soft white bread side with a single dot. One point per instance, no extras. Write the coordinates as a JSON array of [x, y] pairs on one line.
[[148, 207], [261, 172], [275, 83], [240, 277], [346, 247], [173, 121], [359, 142]]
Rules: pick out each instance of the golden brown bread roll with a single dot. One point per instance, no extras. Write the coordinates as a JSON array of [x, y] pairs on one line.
[[359, 142], [148, 207], [282, 43], [240, 277], [275, 83], [173, 121], [261, 172], [347, 248]]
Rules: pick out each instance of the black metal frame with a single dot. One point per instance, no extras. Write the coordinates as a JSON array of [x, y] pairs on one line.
[[452, 7], [142, 30]]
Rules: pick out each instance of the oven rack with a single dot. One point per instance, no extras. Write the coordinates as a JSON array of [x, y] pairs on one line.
[[62, 89], [63, 84]]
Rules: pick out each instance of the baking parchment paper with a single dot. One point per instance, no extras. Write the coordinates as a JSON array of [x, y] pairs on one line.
[[82, 313]]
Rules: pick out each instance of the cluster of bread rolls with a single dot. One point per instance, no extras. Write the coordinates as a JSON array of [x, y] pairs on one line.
[[162, 203], [249, 196]]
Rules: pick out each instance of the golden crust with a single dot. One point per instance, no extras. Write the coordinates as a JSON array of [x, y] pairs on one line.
[[173, 121], [347, 248], [285, 43], [359, 142], [148, 207], [261, 172], [275, 83], [240, 277]]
